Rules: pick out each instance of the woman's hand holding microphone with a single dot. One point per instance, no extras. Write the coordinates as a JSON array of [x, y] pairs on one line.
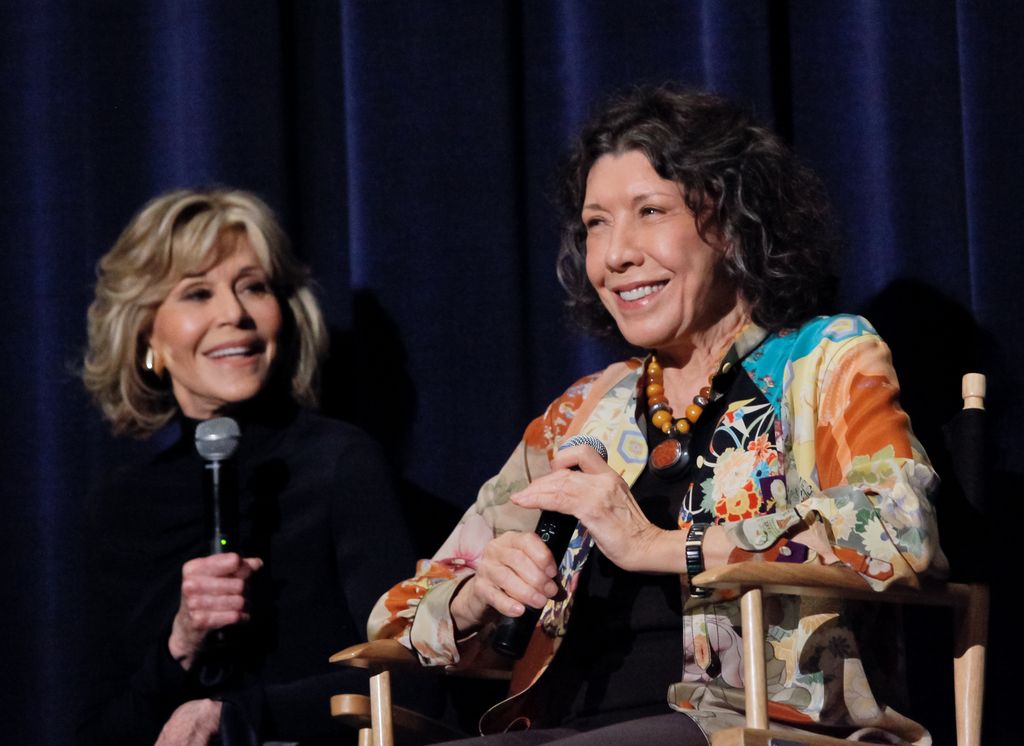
[[213, 596]]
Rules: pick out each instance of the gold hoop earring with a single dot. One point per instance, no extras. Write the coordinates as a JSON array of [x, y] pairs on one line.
[[154, 363]]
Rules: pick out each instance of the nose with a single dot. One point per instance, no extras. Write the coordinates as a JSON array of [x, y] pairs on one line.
[[231, 309], [623, 247]]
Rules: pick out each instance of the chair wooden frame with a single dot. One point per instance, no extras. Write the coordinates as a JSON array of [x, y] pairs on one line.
[[383, 719], [969, 603]]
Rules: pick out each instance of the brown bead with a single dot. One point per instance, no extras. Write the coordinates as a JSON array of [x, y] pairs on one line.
[[654, 389], [693, 412], [660, 419], [666, 454], [706, 392], [659, 399]]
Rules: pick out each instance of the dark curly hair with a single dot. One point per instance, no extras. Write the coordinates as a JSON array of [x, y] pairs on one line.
[[742, 183]]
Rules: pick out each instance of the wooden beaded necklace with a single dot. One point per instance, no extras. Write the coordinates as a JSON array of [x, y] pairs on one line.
[[672, 455]]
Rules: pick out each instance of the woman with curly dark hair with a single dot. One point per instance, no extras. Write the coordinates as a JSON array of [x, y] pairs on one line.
[[751, 429], [744, 188]]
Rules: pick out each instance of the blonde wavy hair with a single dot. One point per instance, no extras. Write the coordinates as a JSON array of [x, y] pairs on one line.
[[176, 234]]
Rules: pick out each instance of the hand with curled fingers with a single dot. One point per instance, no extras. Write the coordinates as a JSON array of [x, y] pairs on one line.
[[516, 570], [583, 485], [192, 724], [213, 596]]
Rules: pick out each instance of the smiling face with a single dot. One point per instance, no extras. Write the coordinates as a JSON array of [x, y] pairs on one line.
[[661, 282], [217, 330]]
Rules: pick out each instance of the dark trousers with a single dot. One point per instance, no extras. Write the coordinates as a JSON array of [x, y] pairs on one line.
[[671, 727]]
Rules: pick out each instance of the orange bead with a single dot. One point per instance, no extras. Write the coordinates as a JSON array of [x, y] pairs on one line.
[[659, 399], [683, 426], [693, 412], [667, 429], [654, 389], [660, 418], [653, 368], [706, 392]]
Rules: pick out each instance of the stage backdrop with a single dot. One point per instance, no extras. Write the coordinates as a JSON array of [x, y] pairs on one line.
[[410, 148]]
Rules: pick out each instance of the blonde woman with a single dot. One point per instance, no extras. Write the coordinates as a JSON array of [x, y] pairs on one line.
[[201, 311]]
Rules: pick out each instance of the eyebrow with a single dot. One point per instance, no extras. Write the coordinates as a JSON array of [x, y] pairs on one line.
[[246, 270], [638, 198]]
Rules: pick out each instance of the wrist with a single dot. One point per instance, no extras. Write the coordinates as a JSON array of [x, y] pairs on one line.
[[662, 552], [464, 609], [694, 554], [178, 646]]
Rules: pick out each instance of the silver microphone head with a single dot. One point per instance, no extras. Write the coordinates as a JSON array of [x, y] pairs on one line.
[[217, 439], [586, 440]]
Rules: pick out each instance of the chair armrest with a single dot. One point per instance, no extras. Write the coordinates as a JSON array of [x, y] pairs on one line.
[[794, 579], [391, 655], [355, 710], [377, 654]]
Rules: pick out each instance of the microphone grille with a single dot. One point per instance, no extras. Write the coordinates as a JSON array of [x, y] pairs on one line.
[[586, 440], [217, 439]]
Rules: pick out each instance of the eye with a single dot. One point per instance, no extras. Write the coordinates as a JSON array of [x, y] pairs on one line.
[[650, 210], [593, 222], [196, 293], [255, 287]]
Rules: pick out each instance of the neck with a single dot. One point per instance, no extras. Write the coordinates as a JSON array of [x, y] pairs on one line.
[[690, 364]]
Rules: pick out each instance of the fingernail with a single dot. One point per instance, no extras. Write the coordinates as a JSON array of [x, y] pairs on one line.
[[551, 589], [517, 609]]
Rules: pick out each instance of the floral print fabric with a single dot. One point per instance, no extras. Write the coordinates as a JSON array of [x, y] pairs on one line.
[[811, 461]]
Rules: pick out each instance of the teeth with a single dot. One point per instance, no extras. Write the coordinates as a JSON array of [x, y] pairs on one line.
[[641, 292], [229, 351]]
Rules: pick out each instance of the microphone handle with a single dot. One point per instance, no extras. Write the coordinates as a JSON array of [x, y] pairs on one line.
[[513, 633], [218, 537]]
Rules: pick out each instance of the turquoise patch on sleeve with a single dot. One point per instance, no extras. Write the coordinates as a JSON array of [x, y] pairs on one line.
[[766, 365]]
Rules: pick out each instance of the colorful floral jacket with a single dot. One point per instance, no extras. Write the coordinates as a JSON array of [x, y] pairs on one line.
[[812, 461]]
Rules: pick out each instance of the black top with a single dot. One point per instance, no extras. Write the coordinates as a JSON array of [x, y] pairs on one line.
[[624, 645], [315, 503]]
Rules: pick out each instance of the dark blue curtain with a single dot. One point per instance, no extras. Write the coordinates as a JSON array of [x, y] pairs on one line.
[[410, 150]]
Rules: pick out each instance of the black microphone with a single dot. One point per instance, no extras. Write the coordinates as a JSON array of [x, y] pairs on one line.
[[555, 530], [217, 441]]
